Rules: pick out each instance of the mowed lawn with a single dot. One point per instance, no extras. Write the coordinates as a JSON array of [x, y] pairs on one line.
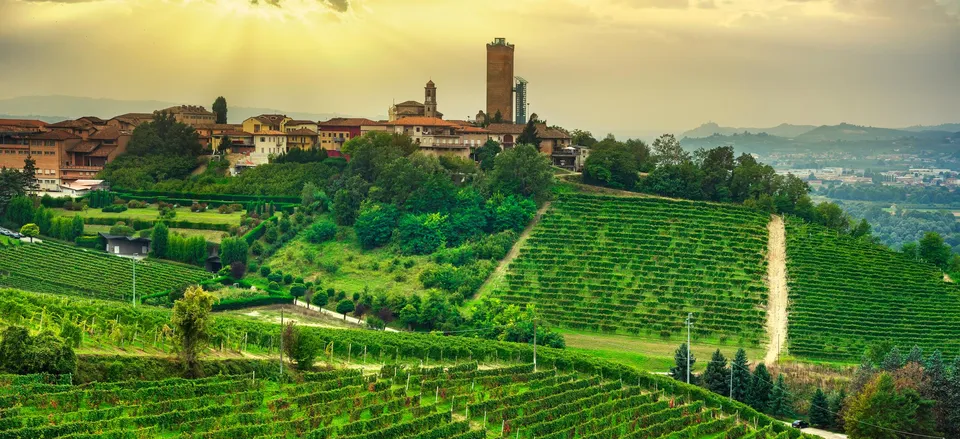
[[209, 235], [652, 355], [151, 213]]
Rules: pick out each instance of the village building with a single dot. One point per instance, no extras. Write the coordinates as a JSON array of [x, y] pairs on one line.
[[126, 246], [129, 121], [193, 115], [266, 144], [265, 122], [334, 132], [415, 109]]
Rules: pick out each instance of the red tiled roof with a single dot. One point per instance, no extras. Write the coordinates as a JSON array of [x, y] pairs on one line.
[[134, 118], [84, 147], [108, 133], [237, 133], [190, 109], [472, 129], [408, 104], [301, 122], [271, 118], [78, 123], [93, 119], [505, 128], [422, 121], [54, 135], [23, 123], [301, 132], [103, 151], [346, 122]]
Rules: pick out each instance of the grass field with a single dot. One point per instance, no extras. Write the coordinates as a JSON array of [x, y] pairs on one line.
[[298, 315], [150, 213], [209, 235], [356, 269], [652, 355]]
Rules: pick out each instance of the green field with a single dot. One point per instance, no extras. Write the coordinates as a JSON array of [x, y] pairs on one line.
[[57, 268], [150, 213], [209, 235], [356, 269], [635, 265], [846, 294]]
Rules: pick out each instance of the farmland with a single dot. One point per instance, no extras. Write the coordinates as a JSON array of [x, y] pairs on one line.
[[61, 269], [639, 265], [846, 294]]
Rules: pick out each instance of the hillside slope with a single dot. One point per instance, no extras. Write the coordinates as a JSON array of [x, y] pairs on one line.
[[638, 265], [847, 294]]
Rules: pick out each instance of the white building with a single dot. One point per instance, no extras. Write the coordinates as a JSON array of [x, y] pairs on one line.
[[266, 144]]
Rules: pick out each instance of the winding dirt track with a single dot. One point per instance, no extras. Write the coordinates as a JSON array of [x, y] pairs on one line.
[[777, 285], [497, 276]]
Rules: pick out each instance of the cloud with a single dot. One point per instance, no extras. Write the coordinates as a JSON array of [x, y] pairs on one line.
[[912, 11], [335, 5], [657, 4]]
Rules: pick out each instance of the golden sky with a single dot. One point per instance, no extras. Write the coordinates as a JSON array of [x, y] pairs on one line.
[[625, 66]]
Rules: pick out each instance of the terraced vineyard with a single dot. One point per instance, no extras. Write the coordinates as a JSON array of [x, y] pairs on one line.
[[846, 294], [459, 402], [639, 265], [56, 268]]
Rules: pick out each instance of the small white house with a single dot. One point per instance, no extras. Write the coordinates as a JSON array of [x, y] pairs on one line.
[[268, 144]]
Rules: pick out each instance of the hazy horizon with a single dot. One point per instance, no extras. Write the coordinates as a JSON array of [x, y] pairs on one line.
[[606, 66]]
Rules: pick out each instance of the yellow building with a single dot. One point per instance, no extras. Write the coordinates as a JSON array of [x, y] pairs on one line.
[[301, 138], [265, 122]]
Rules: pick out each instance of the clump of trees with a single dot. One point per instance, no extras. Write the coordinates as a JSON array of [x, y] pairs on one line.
[[191, 322], [158, 150], [22, 353]]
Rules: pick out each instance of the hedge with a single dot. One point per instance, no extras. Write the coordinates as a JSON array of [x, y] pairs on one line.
[[141, 224], [258, 231], [88, 241], [125, 193], [246, 302]]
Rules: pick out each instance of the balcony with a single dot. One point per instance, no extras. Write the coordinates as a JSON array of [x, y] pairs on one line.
[[81, 168]]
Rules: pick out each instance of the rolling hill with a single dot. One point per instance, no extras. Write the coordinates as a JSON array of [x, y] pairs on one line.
[[783, 130]]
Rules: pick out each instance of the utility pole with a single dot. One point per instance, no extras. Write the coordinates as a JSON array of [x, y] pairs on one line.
[[731, 380], [281, 342], [134, 259], [689, 323], [534, 344]]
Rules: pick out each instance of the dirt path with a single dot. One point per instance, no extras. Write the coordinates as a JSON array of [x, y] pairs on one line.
[[777, 285], [336, 315], [946, 278], [822, 433], [497, 276]]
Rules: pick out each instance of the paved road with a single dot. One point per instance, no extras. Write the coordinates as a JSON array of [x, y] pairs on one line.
[[822, 433], [336, 315]]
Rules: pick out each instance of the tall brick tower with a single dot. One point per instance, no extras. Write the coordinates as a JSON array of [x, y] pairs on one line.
[[500, 79]]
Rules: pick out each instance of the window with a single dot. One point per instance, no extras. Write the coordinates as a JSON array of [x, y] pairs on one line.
[[262, 139], [49, 143]]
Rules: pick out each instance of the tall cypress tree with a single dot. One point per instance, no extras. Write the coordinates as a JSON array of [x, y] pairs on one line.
[[819, 410], [758, 394], [741, 375], [717, 376], [220, 109], [780, 403], [159, 246]]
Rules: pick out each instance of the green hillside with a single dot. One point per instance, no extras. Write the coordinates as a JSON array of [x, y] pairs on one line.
[[371, 385], [639, 265], [846, 294], [57, 268]]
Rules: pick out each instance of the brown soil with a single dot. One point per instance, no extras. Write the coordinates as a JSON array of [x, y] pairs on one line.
[[777, 284]]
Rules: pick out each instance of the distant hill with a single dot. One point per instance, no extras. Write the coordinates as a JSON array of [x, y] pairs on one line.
[[72, 107], [783, 130], [951, 127], [851, 133]]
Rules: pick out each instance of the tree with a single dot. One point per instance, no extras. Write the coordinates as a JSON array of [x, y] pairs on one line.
[[237, 269], [836, 409], [741, 375], [345, 306], [346, 204], [893, 360], [511, 213], [20, 210], [421, 234], [881, 410], [717, 376], [832, 216], [611, 164], [121, 228], [498, 117], [716, 166], [486, 154], [582, 138], [30, 230], [679, 370], [321, 231], [43, 218], [409, 315], [375, 224], [29, 173], [529, 135], [191, 322], [819, 410], [909, 249], [233, 250], [667, 151], [45, 353], [308, 195], [861, 230], [780, 404], [915, 355], [933, 250], [14, 349], [220, 109], [758, 395], [682, 181], [77, 225], [161, 241], [522, 171]]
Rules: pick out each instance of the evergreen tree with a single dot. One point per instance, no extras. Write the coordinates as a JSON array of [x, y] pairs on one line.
[[717, 376], [836, 407], [29, 174], [161, 239], [741, 375], [529, 135], [939, 389], [220, 109], [780, 404], [915, 355], [758, 394], [893, 360], [77, 225], [819, 410], [679, 371]]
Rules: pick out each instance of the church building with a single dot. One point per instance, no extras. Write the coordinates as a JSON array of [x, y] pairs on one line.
[[413, 108]]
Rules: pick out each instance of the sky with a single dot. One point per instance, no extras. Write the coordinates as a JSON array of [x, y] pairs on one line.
[[621, 66]]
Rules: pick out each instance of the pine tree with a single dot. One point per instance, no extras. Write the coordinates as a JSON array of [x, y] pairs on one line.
[[29, 174], [819, 410], [717, 376], [758, 394], [915, 355], [220, 109], [679, 371], [741, 375], [836, 406], [893, 360], [529, 135], [780, 404]]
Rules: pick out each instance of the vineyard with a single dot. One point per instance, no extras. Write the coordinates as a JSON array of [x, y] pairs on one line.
[[846, 294], [62, 269], [639, 265], [459, 402]]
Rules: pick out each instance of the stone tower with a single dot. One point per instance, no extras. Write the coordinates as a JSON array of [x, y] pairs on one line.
[[430, 99], [500, 79]]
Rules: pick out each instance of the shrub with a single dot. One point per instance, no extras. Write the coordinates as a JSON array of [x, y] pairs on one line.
[[298, 290], [374, 322], [275, 277], [273, 286], [224, 208], [136, 204], [256, 248], [421, 234], [375, 224], [287, 279], [198, 207], [265, 270], [330, 266], [121, 228], [115, 208], [321, 231], [237, 269]]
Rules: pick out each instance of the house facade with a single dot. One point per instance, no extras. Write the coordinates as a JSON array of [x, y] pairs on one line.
[[293, 125], [267, 143], [126, 246], [265, 122], [83, 160], [47, 148], [435, 136], [193, 115], [302, 139], [334, 132]]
